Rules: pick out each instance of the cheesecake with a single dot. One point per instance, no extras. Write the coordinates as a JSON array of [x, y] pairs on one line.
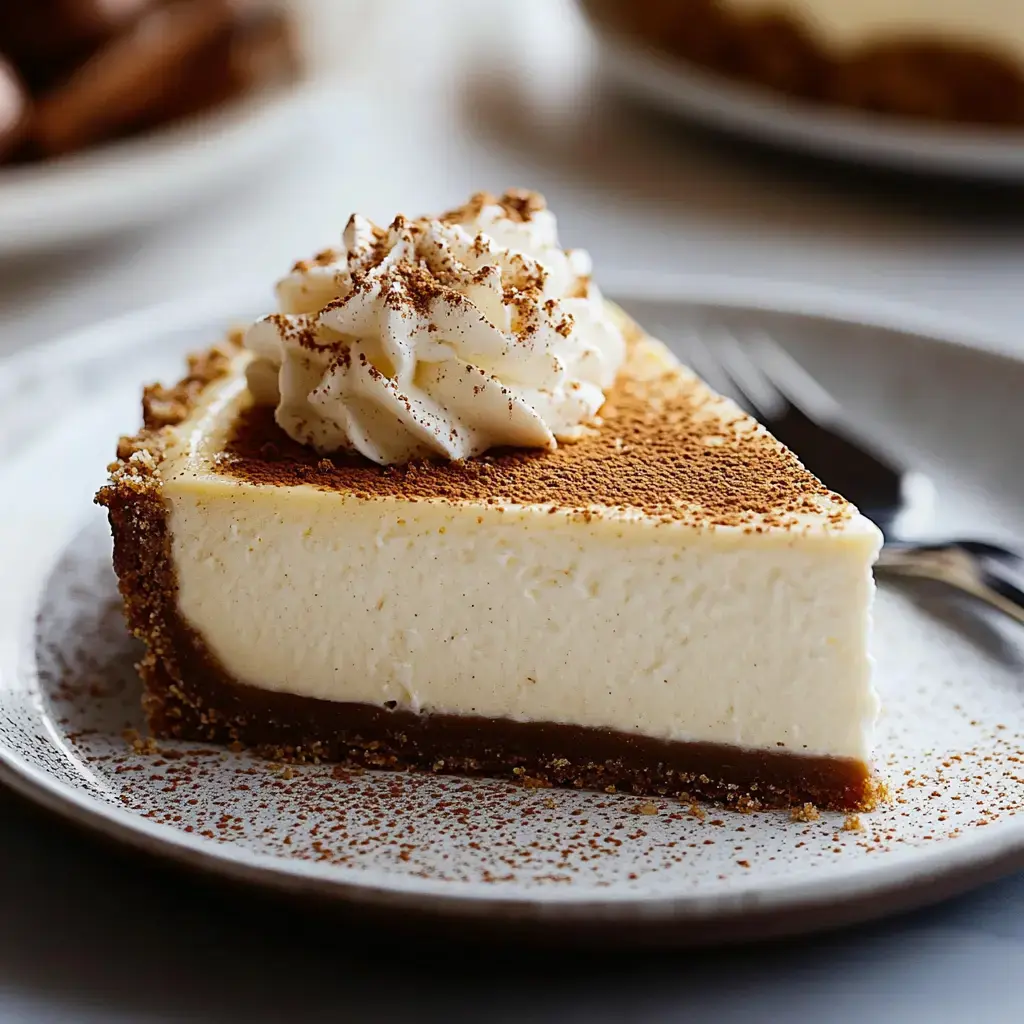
[[449, 509], [936, 60]]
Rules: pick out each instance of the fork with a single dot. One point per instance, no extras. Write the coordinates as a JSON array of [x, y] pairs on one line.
[[771, 385]]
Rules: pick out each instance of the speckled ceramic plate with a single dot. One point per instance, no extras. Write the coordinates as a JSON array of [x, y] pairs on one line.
[[758, 113], [950, 742]]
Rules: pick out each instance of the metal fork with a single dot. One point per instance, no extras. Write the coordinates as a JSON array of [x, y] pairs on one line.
[[774, 388]]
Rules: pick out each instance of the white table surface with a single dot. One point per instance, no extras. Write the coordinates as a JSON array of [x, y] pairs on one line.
[[427, 114]]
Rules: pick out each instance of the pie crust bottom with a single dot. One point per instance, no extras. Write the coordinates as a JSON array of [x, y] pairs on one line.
[[204, 704]]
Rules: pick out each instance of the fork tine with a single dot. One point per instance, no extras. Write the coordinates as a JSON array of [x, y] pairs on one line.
[[766, 400], [811, 400], [790, 379], [708, 367], [723, 367]]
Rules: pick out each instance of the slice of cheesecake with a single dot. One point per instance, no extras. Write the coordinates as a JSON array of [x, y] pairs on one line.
[[449, 509], [670, 604]]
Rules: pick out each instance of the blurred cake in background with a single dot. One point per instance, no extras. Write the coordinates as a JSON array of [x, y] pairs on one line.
[[940, 60], [74, 73]]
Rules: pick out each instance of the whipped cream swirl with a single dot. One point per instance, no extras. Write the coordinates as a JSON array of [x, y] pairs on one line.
[[439, 336]]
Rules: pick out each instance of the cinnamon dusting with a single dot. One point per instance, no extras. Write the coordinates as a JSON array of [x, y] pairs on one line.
[[662, 448]]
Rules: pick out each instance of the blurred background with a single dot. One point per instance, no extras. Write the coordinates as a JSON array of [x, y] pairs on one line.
[[155, 149]]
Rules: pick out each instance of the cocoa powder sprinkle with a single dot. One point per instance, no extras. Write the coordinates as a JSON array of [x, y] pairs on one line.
[[662, 447]]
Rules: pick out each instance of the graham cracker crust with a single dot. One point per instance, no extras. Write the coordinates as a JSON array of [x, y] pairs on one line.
[[188, 695], [193, 698], [924, 78]]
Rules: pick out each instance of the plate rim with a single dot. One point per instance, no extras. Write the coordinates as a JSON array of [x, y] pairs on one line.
[[82, 194], [747, 109], [904, 881]]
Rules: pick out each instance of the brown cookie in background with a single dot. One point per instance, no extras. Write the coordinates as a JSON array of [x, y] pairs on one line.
[[257, 51], [46, 39], [102, 69], [136, 70], [15, 107]]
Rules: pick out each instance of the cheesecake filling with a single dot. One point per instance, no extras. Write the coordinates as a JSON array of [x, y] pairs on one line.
[[534, 617], [441, 336], [845, 25], [749, 636]]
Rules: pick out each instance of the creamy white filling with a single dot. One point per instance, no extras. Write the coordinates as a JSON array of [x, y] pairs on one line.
[[717, 636], [846, 24], [675, 630]]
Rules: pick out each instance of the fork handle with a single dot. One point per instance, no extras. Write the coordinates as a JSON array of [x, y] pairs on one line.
[[987, 572]]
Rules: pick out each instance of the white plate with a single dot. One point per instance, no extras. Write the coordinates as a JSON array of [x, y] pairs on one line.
[[950, 742], [832, 132], [107, 189]]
